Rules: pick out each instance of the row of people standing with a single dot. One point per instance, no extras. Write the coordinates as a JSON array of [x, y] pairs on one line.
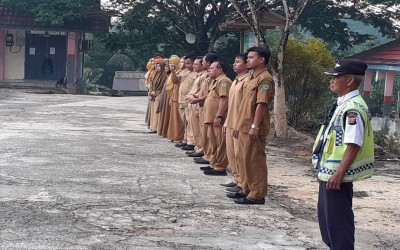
[[226, 124], [221, 122]]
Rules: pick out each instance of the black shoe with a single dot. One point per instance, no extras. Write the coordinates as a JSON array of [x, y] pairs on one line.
[[152, 131], [179, 145], [190, 152], [237, 195], [235, 189], [248, 201], [188, 147], [201, 161], [230, 184], [214, 172], [195, 154], [206, 168]]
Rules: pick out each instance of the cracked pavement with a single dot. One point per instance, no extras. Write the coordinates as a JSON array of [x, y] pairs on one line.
[[81, 172]]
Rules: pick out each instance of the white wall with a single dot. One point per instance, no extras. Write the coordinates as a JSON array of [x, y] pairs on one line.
[[392, 124], [14, 68]]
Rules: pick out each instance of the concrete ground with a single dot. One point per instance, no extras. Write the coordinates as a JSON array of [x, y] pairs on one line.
[[82, 172]]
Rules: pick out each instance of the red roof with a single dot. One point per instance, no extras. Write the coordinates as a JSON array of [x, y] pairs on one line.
[[12, 19], [386, 54]]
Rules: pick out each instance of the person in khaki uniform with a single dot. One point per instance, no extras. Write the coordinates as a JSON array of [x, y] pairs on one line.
[[208, 59], [185, 86], [164, 109], [194, 108], [233, 151], [254, 123], [215, 108], [151, 66], [177, 78], [155, 93], [175, 126]]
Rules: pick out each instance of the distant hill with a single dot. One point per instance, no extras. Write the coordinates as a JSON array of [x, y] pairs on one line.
[[362, 28]]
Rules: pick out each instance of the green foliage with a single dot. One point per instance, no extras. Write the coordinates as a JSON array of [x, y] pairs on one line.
[[326, 19], [99, 56], [307, 89], [91, 78], [226, 48], [53, 12], [153, 27], [121, 62], [379, 138]]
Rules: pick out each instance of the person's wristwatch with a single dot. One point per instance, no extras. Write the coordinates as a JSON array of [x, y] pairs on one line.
[[254, 126], [219, 116]]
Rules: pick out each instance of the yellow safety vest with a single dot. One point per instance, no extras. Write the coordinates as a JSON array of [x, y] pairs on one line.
[[333, 148]]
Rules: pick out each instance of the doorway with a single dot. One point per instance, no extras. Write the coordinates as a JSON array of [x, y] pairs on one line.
[[45, 57]]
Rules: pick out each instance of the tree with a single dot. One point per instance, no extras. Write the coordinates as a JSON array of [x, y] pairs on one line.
[[306, 88], [324, 19], [327, 19], [168, 22], [292, 13], [55, 12]]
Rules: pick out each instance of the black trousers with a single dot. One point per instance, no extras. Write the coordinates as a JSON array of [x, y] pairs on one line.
[[336, 217]]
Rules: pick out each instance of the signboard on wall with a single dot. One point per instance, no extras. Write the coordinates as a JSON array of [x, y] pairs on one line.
[[51, 33], [249, 40]]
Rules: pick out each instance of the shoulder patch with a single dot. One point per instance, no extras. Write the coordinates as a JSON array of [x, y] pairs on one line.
[[265, 87], [352, 118], [224, 85]]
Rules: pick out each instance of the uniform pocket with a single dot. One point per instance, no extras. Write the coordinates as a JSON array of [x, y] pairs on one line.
[[329, 144]]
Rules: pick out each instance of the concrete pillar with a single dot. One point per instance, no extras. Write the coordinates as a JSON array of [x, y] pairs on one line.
[[75, 62], [71, 58], [388, 98], [2, 48], [367, 84]]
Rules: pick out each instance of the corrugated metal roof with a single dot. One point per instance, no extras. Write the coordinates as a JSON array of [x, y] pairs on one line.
[[386, 54], [12, 19]]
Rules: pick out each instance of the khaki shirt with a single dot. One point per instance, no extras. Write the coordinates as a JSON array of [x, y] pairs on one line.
[[201, 76], [185, 87], [218, 88], [235, 99], [181, 76], [258, 88], [205, 85]]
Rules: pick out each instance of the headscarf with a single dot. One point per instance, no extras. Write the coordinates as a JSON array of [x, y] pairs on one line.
[[173, 60], [150, 72], [160, 77]]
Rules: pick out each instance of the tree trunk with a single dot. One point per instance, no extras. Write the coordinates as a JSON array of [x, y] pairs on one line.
[[280, 99], [280, 119]]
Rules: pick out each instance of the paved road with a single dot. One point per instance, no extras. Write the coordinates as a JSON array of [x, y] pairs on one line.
[[81, 172]]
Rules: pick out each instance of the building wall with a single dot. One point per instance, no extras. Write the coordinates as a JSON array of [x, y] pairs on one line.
[[2, 41], [14, 57]]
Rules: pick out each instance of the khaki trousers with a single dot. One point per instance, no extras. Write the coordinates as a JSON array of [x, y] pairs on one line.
[[195, 121], [203, 135], [183, 118], [235, 157], [188, 128], [255, 166], [153, 112], [218, 158], [175, 126]]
